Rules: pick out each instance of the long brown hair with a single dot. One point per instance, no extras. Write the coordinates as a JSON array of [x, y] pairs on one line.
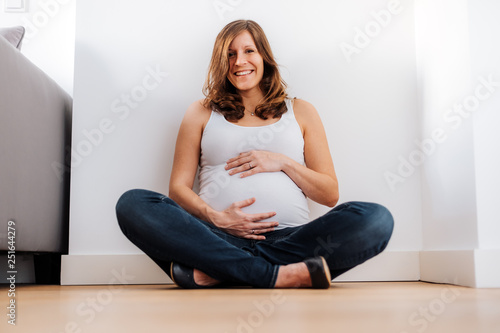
[[221, 95]]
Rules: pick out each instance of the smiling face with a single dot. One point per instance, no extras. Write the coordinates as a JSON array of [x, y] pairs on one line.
[[246, 66]]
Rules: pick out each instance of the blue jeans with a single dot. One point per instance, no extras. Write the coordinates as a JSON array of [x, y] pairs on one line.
[[346, 236]]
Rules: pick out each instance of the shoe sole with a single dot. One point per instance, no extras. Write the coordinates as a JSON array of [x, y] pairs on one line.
[[172, 274], [319, 272], [327, 271]]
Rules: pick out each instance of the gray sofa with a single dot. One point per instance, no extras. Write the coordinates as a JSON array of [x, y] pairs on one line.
[[35, 134]]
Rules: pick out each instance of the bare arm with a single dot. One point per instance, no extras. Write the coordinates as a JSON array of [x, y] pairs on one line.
[[186, 158], [317, 178]]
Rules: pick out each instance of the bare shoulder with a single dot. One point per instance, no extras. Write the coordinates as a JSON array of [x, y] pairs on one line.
[[197, 109], [306, 114], [197, 114], [301, 104]]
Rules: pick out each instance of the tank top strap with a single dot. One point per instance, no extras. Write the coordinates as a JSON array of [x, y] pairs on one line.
[[289, 105]]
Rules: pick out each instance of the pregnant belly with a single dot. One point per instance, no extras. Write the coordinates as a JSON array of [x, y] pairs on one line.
[[273, 191]]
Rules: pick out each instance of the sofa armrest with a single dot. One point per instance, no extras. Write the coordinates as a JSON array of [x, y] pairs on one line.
[[35, 129]]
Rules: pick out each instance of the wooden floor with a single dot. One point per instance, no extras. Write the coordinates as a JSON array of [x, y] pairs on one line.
[[388, 307]]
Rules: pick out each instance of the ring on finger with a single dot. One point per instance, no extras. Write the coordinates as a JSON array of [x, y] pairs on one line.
[[253, 231], [250, 164]]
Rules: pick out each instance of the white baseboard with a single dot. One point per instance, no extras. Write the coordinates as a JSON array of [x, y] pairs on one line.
[[471, 268], [487, 268], [111, 269], [387, 266], [453, 267], [140, 269]]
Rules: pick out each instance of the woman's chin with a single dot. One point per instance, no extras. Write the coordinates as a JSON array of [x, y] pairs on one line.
[[247, 88]]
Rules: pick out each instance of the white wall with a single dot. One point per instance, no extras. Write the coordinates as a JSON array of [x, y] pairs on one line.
[[457, 56], [449, 205], [365, 92], [485, 54], [49, 41]]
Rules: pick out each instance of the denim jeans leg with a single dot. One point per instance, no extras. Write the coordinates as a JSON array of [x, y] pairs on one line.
[[166, 232], [346, 236]]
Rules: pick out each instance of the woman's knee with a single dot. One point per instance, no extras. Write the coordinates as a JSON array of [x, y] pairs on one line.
[[127, 201], [124, 208], [376, 219], [381, 219], [134, 203]]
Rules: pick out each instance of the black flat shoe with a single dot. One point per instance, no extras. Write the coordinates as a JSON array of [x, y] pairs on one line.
[[319, 272], [183, 276]]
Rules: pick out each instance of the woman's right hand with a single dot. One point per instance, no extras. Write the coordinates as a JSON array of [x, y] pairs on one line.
[[237, 223]]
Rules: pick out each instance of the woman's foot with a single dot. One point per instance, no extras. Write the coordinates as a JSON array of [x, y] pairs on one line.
[[203, 279], [293, 276], [313, 273], [189, 278]]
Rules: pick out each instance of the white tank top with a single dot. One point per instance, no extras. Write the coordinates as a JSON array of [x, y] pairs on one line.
[[274, 191]]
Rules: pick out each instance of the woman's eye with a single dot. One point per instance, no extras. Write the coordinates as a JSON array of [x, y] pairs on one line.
[[250, 51]]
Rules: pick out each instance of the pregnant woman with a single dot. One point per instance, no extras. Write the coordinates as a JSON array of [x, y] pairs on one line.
[[260, 155]]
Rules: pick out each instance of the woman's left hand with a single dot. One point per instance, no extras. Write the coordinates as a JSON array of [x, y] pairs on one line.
[[255, 161]]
